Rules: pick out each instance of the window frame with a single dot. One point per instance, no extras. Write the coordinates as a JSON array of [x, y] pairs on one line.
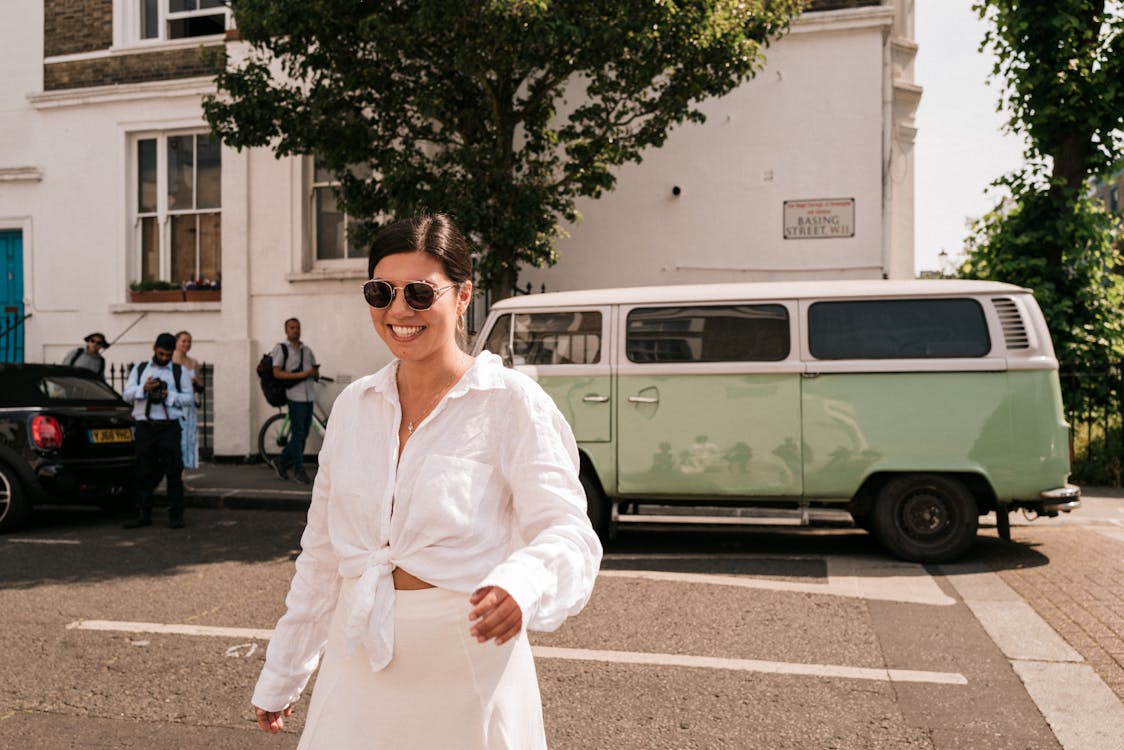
[[791, 364], [163, 214], [128, 28]]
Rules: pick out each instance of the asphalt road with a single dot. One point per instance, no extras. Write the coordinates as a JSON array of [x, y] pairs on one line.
[[779, 638]]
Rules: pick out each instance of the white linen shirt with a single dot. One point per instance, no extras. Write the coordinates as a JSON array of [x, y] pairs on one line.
[[486, 493]]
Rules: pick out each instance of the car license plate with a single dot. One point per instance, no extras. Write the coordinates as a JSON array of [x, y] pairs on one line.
[[115, 435]]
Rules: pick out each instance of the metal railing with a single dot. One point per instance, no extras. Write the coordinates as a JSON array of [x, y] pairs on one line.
[[11, 335], [117, 374], [1094, 398]]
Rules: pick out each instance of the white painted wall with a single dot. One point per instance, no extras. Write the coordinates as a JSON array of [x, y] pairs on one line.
[[810, 125]]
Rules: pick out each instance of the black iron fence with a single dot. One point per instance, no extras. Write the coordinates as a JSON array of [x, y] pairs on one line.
[[1094, 399], [117, 374], [11, 334]]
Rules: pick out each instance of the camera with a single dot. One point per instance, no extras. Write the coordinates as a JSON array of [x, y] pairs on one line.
[[158, 393]]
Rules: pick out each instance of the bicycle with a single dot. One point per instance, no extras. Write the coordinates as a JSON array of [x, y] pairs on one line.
[[274, 433]]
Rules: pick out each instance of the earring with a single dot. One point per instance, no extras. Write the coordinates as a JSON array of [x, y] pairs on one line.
[[460, 324]]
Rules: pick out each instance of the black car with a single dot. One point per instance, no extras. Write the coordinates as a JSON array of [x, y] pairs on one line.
[[65, 437]]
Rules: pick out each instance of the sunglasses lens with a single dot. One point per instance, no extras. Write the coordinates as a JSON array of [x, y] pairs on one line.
[[419, 295], [378, 294]]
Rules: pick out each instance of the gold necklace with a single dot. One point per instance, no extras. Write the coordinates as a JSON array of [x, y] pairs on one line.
[[413, 423]]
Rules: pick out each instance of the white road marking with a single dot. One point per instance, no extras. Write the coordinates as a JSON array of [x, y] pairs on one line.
[[851, 576], [581, 654], [156, 627], [42, 541], [751, 665], [1083, 712]]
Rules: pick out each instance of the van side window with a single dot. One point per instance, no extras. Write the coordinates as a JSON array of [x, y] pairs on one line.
[[562, 338], [898, 329], [719, 333]]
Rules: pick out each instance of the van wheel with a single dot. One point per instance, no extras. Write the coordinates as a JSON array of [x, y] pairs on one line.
[[14, 508], [925, 518], [595, 505]]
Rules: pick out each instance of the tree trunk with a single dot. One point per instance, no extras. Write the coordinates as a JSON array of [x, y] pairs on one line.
[[503, 285], [1071, 170]]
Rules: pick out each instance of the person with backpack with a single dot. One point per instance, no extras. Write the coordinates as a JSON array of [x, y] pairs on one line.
[[159, 392], [295, 365], [89, 357]]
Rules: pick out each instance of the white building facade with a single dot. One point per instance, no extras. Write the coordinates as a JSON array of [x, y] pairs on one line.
[[108, 176]]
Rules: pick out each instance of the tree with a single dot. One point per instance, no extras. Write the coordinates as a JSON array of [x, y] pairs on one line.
[[501, 112], [1060, 64]]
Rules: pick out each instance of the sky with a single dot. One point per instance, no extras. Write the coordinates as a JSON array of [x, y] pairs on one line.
[[960, 148]]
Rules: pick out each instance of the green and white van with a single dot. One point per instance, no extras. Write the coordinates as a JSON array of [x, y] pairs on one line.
[[916, 405]]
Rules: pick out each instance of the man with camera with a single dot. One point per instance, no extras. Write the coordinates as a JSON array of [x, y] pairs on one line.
[[158, 399]]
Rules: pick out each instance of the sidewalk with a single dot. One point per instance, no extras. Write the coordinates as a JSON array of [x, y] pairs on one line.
[[244, 486]]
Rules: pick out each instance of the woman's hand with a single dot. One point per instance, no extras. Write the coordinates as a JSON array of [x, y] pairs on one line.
[[272, 721], [495, 614]]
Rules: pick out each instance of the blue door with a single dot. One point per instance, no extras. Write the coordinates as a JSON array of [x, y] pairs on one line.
[[11, 296]]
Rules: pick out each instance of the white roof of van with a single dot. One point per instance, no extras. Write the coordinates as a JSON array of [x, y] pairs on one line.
[[759, 290]]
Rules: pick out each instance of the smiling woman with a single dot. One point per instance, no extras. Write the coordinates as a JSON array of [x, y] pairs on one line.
[[476, 531]]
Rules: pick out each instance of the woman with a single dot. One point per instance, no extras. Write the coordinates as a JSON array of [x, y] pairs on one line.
[[189, 439], [447, 517]]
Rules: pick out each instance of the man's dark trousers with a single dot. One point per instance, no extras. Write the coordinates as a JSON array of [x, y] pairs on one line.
[[158, 455], [300, 421]]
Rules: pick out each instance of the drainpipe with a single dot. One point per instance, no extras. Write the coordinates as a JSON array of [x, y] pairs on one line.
[[887, 143]]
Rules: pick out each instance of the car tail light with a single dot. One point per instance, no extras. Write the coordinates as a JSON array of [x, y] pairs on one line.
[[46, 432]]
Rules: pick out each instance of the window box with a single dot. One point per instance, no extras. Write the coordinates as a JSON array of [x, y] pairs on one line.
[[202, 295], [156, 295]]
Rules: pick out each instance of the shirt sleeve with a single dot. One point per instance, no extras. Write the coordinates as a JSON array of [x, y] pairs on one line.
[[278, 356], [179, 398], [132, 391], [552, 576], [302, 632]]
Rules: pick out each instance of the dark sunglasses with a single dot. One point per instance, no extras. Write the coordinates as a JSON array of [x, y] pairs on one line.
[[419, 295]]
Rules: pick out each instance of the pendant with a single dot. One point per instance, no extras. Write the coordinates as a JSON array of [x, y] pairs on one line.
[[409, 428]]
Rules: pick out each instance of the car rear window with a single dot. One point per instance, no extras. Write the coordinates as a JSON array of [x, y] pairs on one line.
[[70, 388], [898, 329], [714, 333]]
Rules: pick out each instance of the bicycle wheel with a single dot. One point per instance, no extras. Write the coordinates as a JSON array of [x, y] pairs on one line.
[[273, 437]]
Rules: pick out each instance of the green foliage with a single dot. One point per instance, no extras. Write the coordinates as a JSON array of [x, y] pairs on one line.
[[1061, 68], [1081, 296], [501, 112], [153, 286]]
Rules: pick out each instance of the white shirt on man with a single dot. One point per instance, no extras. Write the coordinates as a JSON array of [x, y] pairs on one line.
[[485, 493], [300, 358]]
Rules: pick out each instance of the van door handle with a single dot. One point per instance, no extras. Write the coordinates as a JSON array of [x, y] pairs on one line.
[[594, 398], [644, 399], [809, 375]]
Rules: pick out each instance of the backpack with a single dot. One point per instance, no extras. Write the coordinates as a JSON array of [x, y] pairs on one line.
[[177, 371], [272, 388]]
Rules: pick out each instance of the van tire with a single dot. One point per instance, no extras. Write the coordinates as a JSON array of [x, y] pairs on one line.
[[925, 518], [14, 506], [596, 506]]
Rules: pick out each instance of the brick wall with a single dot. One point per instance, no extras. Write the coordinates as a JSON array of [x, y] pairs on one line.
[[71, 26], [146, 66]]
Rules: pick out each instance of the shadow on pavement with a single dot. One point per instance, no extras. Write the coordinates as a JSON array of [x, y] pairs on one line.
[[69, 545], [784, 551]]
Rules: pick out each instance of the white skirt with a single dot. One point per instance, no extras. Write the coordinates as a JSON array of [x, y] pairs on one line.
[[442, 690]]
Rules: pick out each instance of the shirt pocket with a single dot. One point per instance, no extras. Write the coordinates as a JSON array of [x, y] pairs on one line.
[[446, 497]]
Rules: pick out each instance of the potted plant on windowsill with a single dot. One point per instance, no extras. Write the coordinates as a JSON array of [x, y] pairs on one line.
[[202, 290], [155, 291]]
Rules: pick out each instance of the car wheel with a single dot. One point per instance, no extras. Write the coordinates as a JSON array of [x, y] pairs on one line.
[[926, 518], [595, 505], [14, 508]]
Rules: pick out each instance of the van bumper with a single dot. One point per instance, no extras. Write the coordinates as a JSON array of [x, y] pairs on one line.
[[1060, 500]]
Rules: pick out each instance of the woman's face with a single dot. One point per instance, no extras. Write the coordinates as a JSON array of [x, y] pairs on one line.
[[183, 343], [419, 335]]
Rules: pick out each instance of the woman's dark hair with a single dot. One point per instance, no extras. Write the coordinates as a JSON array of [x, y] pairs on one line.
[[433, 234]]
